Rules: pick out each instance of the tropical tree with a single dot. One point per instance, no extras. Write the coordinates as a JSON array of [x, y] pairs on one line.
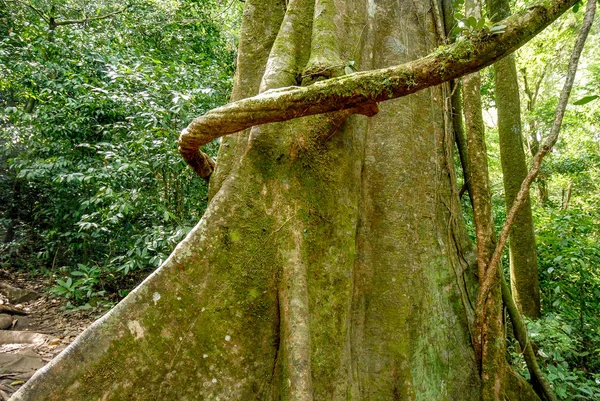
[[332, 260], [522, 250]]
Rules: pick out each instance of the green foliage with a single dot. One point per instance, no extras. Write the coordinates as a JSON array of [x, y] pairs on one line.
[[466, 26], [91, 113], [81, 289], [567, 337], [569, 256], [562, 357], [585, 100]]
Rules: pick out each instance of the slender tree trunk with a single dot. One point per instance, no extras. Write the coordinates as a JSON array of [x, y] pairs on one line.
[[13, 213], [522, 248], [567, 197], [488, 338], [460, 135], [489, 341], [534, 142]]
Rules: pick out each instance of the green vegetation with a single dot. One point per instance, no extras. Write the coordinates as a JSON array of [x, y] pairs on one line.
[[92, 188], [565, 203], [94, 193]]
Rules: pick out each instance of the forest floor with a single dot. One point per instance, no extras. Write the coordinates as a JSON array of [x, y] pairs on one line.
[[33, 331]]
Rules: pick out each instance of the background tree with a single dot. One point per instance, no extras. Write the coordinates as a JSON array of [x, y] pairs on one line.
[[522, 250]]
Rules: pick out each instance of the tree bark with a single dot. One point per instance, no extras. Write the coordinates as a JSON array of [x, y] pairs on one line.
[[522, 249], [331, 262], [488, 341], [359, 92]]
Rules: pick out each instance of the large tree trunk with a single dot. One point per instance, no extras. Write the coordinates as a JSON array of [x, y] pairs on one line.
[[331, 262], [522, 248]]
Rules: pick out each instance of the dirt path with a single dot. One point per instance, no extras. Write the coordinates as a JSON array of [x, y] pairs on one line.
[[38, 329]]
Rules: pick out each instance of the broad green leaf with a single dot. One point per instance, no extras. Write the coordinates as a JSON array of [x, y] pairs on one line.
[[586, 100]]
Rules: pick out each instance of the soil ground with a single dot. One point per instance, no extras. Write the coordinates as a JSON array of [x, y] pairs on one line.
[[37, 337]]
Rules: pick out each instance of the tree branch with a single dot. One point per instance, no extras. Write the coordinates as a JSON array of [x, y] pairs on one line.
[[33, 8], [54, 23], [88, 19], [520, 331], [350, 91], [538, 84], [527, 89]]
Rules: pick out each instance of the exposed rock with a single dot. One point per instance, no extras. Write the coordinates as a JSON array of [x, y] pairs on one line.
[[42, 334], [11, 310], [24, 323], [17, 295], [5, 322], [24, 361], [23, 337]]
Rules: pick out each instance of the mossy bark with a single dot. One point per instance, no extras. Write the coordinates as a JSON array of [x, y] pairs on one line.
[[364, 89], [522, 249], [488, 334], [260, 24], [331, 263]]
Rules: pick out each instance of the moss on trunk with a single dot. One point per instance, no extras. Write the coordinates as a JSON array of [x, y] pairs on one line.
[[331, 263], [489, 334], [522, 248]]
